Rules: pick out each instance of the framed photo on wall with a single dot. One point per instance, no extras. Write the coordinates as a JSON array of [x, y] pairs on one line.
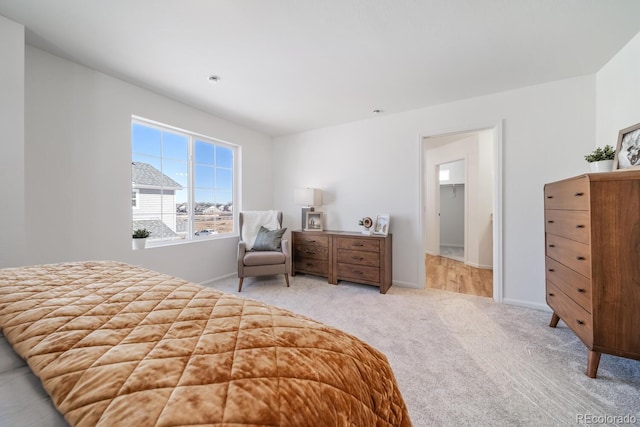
[[628, 148], [314, 221], [381, 226]]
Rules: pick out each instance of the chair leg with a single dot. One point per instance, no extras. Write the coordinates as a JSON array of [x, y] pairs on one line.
[[286, 277], [240, 284]]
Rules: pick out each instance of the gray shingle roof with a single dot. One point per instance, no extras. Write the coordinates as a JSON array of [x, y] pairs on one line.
[[157, 228], [147, 175]]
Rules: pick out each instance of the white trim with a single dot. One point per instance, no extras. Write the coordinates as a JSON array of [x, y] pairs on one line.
[[527, 304], [497, 127]]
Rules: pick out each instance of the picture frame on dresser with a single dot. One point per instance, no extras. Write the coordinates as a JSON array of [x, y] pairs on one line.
[[314, 221], [628, 148], [381, 226]]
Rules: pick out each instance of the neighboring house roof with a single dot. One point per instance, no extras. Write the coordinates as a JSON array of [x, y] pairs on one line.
[[211, 210], [157, 228], [145, 175]]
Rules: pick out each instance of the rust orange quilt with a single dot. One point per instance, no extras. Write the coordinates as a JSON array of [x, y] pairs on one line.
[[120, 345]]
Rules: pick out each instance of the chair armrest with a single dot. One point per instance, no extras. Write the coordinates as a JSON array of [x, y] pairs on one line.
[[287, 255], [242, 249]]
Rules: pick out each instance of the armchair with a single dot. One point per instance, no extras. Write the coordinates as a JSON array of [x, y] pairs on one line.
[[263, 260]]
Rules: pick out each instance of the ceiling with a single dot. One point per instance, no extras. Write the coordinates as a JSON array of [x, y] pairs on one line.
[[287, 66]]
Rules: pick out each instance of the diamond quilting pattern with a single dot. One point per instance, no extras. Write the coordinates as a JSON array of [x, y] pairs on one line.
[[116, 344]]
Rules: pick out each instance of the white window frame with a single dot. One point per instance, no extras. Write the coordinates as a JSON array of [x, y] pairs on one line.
[[192, 137]]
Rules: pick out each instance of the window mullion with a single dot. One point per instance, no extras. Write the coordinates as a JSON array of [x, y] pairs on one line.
[[191, 180]]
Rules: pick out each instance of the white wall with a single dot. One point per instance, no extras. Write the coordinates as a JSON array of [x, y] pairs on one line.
[[12, 224], [617, 93], [455, 170], [78, 169], [372, 166]]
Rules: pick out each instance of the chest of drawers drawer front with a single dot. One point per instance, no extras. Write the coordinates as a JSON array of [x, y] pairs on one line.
[[308, 239], [312, 266], [574, 225], [574, 285], [570, 194], [358, 273], [369, 245], [310, 251], [574, 316], [349, 256], [574, 255]]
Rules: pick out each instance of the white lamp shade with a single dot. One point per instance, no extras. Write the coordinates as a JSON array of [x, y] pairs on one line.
[[308, 197]]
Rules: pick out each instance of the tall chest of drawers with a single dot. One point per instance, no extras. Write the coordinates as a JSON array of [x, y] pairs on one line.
[[592, 238], [343, 255]]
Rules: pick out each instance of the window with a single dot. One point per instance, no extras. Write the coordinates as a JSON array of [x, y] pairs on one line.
[[183, 184]]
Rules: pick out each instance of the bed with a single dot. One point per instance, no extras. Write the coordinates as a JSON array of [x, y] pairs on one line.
[[115, 344]]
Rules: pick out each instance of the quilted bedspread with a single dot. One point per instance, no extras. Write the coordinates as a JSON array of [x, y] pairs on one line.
[[119, 345]]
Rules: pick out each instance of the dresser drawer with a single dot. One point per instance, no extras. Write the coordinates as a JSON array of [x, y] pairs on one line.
[[312, 266], [574, 285], [574, 316], [574, 255], [309, 239], [574, 225], [358, 273], [350, 256], [569, 194], [361, 244], [311, 251]]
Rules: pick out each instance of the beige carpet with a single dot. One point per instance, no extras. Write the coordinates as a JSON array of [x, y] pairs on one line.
[[463, 360]]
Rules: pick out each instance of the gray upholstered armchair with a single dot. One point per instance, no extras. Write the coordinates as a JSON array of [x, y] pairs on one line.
[[265, 257]]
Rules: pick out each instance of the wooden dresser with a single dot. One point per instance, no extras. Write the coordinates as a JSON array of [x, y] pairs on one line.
[[592, 238], [341, 255]]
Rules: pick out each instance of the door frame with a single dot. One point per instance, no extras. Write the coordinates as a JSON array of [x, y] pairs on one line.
[[497, 128]]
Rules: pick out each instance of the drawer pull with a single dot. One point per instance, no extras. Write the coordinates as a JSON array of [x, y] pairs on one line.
[[580, 258], [359, 245], [581, 290], [309, 264], [551, 270], [552, 246], [551, 294], [311, 241], [580, 226], [579, 194], [357, 258], [579, 322], [309, 252], [358, 272], [549, 197], [550, 221]]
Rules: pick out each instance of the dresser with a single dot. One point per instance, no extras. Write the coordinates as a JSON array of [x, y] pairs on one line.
[[342, 255], [592, 248]]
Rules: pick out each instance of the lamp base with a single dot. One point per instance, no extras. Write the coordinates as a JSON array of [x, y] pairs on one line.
[[303, 223]]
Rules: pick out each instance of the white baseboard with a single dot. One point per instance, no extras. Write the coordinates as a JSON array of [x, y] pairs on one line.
[[527, 304], [482, 266], [406, 285], [215, 279]]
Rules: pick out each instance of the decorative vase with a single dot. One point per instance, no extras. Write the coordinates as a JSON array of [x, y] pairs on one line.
[[602, 166], [139, 243]]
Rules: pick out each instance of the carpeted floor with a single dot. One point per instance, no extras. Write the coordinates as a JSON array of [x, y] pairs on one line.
[[463, 360]]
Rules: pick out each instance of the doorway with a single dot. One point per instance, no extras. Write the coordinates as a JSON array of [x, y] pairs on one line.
[[480, 150], [451, 214]]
